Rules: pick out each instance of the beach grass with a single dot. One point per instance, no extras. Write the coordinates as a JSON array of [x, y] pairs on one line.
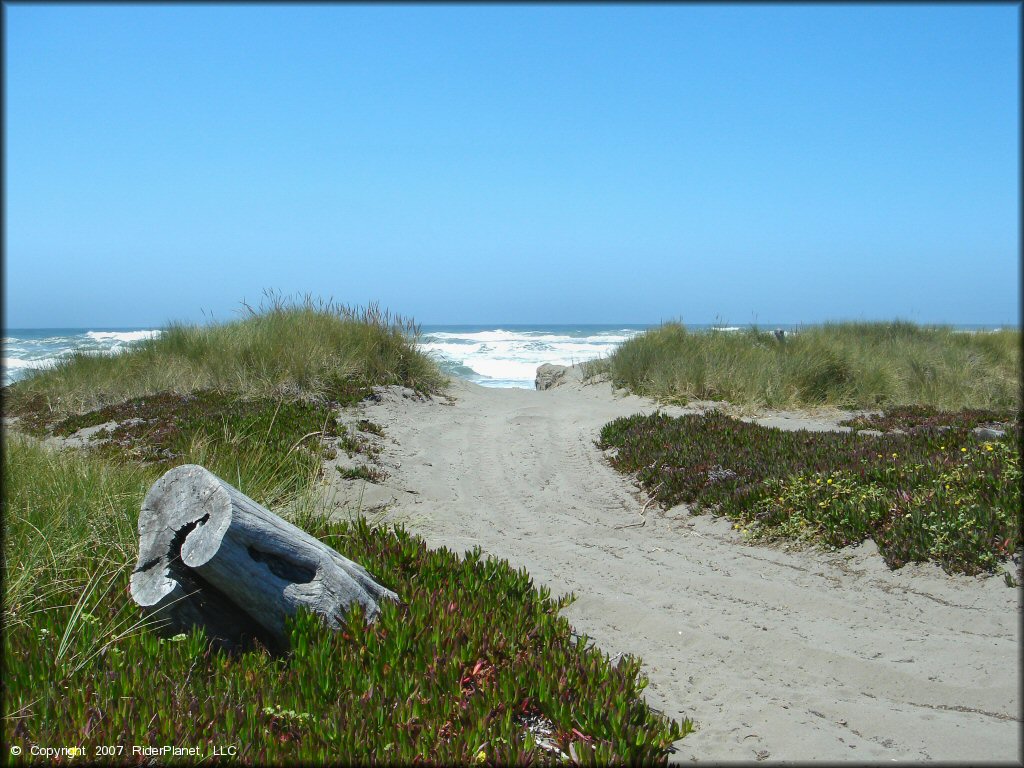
[[846, 365], [306, 348], [267, 447], [475, 664], [935, 491]]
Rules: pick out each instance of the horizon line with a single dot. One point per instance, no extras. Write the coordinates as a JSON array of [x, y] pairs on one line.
[[499, 325]]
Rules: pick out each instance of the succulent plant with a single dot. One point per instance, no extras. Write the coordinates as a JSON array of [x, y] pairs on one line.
[[935, 491]]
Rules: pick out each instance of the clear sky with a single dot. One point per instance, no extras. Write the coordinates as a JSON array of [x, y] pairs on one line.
[[513, 163]]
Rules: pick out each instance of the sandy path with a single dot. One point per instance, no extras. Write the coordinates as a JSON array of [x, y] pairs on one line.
[[774, 654]]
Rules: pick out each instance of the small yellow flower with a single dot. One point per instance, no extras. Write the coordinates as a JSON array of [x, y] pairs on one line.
[[894, 455], [963, 450], [988, 446], [942, 447], [830, 481]]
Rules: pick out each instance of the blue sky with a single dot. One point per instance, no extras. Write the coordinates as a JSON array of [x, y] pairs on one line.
[[513, 163]]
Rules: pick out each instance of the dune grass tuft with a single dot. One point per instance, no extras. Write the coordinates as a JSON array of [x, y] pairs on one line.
[[308, 348], [851, 365]]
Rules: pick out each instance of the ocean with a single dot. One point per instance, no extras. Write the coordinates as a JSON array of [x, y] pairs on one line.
[[491, 355], [509, 355], [26, 349]]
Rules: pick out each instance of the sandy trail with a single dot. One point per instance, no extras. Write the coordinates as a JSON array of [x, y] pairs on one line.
[[777, 655]]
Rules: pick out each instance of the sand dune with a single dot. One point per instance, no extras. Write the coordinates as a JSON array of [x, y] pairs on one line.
[[775, 654]]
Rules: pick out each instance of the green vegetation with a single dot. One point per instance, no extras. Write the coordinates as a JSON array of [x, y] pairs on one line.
[[912, 418], [935, 492], [368, 426], [854, 365], [362, 472], [932, 493], [285, 440], [309, 349], [474, 665], [455, 673], [354, 443]]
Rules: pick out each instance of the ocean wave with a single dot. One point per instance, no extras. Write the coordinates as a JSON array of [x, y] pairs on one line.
[[452, 349], [43, 348], [510, 358], [18, 363], [545, 337], [15, 368], [522, 371], [122, 336], [43, 341]]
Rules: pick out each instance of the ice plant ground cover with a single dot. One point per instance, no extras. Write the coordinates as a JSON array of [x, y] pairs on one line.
[[935, 492], [452, 674]]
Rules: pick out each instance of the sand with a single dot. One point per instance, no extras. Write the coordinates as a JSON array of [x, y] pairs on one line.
[[775, 654]]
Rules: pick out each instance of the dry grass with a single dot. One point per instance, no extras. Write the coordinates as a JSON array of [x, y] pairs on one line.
[[309, 348], [847, 365]]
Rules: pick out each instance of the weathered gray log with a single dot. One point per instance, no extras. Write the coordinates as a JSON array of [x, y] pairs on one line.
[[210, 555]]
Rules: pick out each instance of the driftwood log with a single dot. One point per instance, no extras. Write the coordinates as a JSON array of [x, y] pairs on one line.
[[210, 555]]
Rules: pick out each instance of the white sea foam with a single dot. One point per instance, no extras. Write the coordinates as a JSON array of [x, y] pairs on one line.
[[37, 349], [16, 367], [452, 350], [122, 335], [501, 357], [616, 337], [17, 363], [507, 370]]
